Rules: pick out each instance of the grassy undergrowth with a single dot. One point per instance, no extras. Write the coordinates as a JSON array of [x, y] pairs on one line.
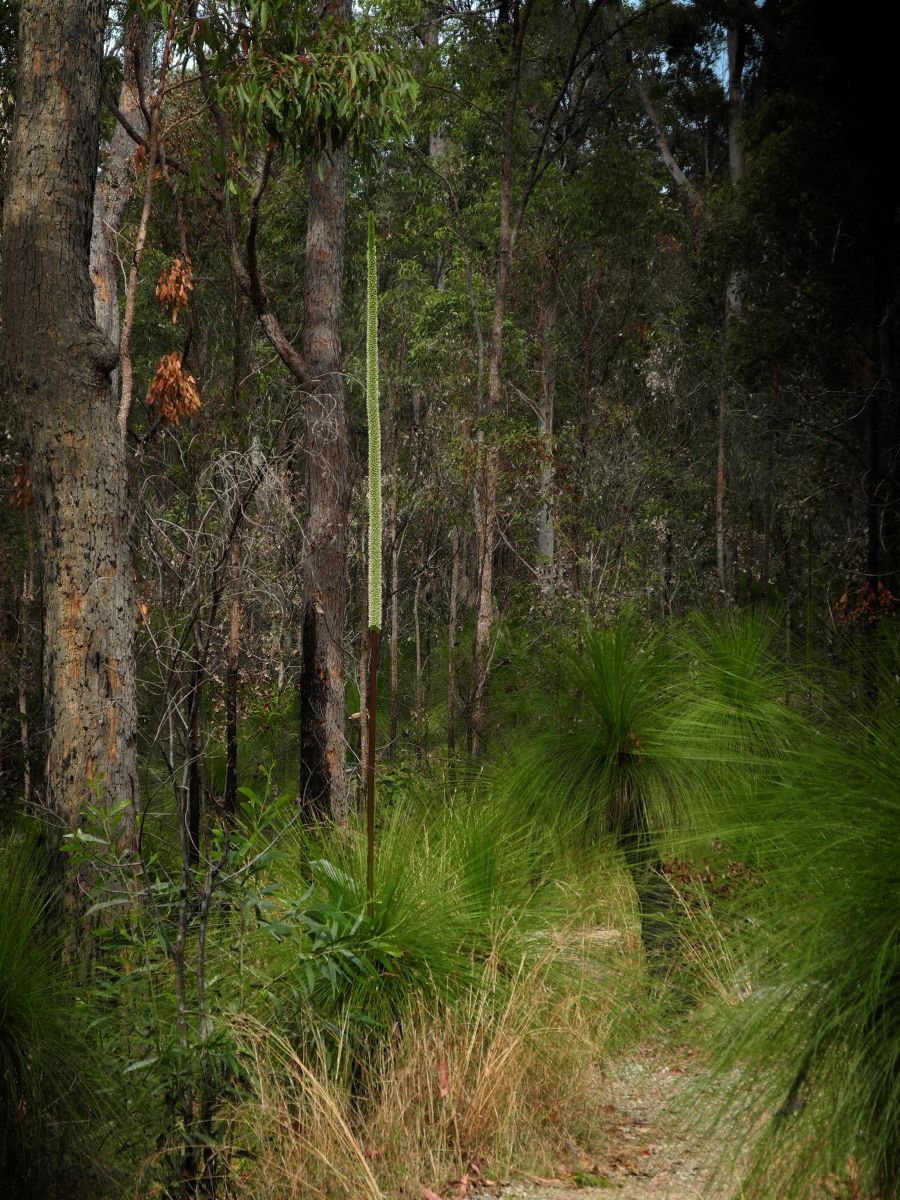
[[465, 1021], [293, 1042]]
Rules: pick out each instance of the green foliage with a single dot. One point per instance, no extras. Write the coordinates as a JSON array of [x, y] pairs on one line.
[[50, 1080], [298, 79], [459, 885], [608, 765], [813, 1016], [174, 971]]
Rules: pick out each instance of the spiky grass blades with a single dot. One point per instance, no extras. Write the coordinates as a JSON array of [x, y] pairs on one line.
[[604, 766], [734, 698], [48, 1076], [817, 1037]]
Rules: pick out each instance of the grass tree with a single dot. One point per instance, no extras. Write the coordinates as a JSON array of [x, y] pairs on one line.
[[609, 768], [817, 1032], [663, 731]]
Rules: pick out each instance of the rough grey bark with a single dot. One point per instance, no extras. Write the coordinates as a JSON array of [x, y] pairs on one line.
[[323, 784], [59, 366]]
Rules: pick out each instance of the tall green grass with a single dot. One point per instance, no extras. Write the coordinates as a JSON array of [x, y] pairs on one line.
[[815, 1038], [50, 1084], [462, 879], [702, 743]]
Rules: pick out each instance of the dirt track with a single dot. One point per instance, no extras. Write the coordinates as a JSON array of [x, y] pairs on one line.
[[650, 1154]]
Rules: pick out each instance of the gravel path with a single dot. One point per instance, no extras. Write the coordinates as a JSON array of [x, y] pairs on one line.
[[650, 1155]]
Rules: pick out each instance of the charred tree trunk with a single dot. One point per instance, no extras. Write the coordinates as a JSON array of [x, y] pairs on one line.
[[419, 712], [768, 493], [59, 365], [232, 679], [323, 785], [23, 680], [721, 547], [362, 668]]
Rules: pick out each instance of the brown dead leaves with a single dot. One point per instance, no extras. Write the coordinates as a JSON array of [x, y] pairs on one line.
[[470, 1181], [174, 287], [173, 390]]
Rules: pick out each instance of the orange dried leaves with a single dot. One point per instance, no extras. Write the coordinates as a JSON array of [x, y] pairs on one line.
[[174, 390], [21, 496], [174, 286], [867, 605]]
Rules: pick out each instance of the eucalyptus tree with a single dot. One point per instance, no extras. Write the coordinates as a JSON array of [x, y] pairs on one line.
[[299, 84], [59, 365], [549, 74]]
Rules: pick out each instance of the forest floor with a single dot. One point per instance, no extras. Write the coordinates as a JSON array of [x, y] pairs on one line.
[[655, 1149]]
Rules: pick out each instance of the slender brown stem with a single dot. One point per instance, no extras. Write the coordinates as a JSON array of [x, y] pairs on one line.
[[126, 365], [374, 637]]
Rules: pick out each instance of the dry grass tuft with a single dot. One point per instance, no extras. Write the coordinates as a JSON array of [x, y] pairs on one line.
[[507, 1081]]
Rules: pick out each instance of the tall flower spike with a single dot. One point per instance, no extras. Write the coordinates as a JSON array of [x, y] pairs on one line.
[[374, 434]]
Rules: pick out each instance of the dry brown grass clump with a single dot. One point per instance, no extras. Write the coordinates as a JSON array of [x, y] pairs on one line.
[[499, 1086]]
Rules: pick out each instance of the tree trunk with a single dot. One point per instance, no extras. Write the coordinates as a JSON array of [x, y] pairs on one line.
[[419, 712], [233, 658], [487, 458], [323, 784], [26, 598], [721, 548], [733, 299], [768, 491], [116, 181], [546, 529], [451, 645], [59, 367], [363, 674], [232, 677]]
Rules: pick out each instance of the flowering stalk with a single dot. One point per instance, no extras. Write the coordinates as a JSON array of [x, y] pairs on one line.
[[374, 550]]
